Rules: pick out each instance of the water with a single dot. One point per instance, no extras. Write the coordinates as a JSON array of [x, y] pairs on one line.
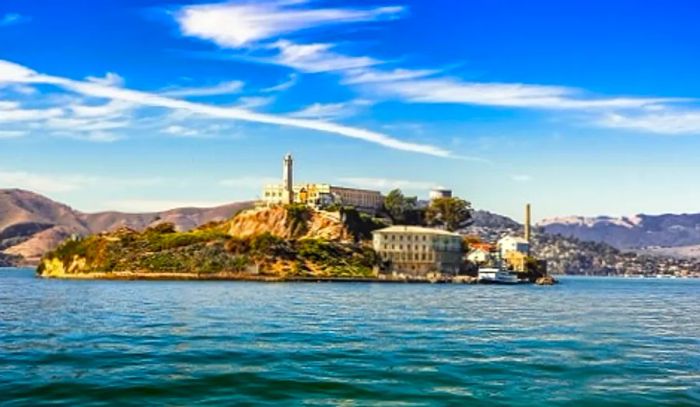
[[588, 341]]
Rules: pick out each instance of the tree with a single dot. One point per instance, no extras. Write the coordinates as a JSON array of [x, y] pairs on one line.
[[401, 208], [451, 213]]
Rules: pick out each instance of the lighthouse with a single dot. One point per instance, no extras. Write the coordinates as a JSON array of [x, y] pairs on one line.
[[287, 181]]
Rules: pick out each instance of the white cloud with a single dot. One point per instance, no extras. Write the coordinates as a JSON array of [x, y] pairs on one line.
[[284, 85], [448, 90], [521, 178], [223, 88], [663, 122], [314, 58], [20, 74], [43, 183], [253, 102], [110, 79], [325, 111], [234, 25], [372, 75], [181, 131], [13, 19], [50, 183], [15, 113], [386, 183], [6, 134]]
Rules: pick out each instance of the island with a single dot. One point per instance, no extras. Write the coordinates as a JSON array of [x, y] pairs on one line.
[[316, 232]]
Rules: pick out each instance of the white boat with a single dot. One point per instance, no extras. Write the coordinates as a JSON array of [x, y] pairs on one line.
[[497, 276]]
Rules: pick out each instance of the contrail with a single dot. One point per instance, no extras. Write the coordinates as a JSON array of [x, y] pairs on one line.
[[11, 72]]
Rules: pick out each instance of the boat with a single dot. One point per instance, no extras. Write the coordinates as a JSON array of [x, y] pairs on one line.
[[492, 275]]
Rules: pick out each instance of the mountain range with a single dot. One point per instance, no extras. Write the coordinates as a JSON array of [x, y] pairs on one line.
[[667, 234], [32, 224]]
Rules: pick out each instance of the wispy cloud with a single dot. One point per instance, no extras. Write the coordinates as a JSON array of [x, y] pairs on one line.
[[519, 95], [110, 79], [289, 83], [672, 121], [223, 88], [10, 72], [236, 25], [387, 183], [521, 178], [326, 111], [7, 134], [13, 19], [314, 58], [51, 183]]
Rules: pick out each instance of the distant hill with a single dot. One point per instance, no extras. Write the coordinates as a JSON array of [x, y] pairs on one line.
[[636, 232], [32, 224]]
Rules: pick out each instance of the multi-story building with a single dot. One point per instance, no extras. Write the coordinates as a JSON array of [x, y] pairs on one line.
[[318, 195], [417, 251]]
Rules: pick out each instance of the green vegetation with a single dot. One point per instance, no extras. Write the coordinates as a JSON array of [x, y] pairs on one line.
[[403, 210], [298, 216], [360, 224], [206, 250], [452, 213]]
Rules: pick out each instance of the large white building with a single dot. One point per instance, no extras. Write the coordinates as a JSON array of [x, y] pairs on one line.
[[417, 251]]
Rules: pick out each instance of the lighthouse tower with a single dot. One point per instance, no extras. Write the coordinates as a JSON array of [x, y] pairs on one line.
[[287, 181]]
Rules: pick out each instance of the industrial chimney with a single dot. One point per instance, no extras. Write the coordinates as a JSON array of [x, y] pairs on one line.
[[528, 233]]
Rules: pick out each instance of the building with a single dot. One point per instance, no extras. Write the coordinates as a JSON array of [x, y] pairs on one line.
[[437, 193], [513, 244], [480, 256], [417, 251], [318, 195]]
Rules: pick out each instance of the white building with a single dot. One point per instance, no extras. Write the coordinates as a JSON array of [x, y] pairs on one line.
[[437, 193], [417, 251], [513, 244], [318, 194], [479, 256]]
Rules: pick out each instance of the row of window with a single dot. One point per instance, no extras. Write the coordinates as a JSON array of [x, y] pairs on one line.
[[409, 256]]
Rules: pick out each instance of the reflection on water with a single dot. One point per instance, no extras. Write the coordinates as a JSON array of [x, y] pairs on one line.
[[586, 342]]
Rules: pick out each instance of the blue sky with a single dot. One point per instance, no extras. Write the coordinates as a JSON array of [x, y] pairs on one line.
[[578, 107]]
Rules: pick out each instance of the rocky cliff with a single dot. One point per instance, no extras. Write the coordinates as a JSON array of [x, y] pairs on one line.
[[267, 243]]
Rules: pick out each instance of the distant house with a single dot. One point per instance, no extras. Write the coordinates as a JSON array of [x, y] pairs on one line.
[[514, 251], [513, 244], [417, 251], [480, 256]]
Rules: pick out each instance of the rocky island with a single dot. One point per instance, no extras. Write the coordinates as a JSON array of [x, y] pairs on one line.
[[272, 244]]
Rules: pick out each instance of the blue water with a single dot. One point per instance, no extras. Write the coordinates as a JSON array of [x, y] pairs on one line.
[[587, 341]]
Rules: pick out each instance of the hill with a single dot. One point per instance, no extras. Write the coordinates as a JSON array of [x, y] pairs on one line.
[[277, 243], [570, 255], [32, 224], [636, 232]]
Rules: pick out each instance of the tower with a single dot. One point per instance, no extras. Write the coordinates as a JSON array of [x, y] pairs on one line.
[[528, 233], [287, 181]]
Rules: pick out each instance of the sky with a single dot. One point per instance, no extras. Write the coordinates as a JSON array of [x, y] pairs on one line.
[[581, 107]]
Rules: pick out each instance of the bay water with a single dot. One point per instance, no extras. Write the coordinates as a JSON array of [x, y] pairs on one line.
[[586, 341]]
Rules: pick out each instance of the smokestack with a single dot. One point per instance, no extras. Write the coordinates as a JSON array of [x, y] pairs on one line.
[[528, 233]]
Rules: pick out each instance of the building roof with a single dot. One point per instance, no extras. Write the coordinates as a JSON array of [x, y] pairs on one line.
[[416, 229]]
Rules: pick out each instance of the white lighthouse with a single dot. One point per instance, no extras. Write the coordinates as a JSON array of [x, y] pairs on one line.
[[287, 181]]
